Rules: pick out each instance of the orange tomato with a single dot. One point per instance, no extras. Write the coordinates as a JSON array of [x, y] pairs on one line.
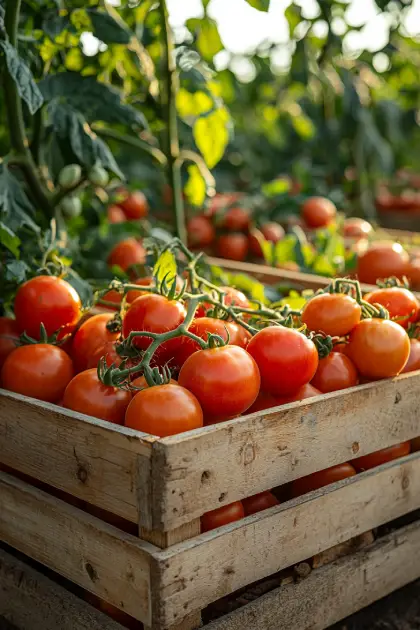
[[259, 502], [135, 205], [381, 457], [382, 260], [334, 314], [413, 362], [318, 212], [334, 372], [401, 304], [321, 479], [92, 334], [222, 516], [356, 229], [127, 253]]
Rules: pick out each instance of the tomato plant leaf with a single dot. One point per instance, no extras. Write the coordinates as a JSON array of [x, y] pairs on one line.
[[107, 29], [16, 271], [208, 38], [22, 76], [285, 250], [15, 208], [165, 267], [261, 5], [9, 239], [211, 135]]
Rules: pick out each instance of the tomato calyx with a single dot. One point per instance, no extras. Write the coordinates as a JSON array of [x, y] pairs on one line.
[[393, 281], [324, 343], [26, 340], [353, 289]]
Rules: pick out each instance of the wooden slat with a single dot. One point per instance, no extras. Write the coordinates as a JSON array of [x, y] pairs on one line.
[[219, 464], [98, 557], [32, 601], [195, 573], [334, 591], [91, 459]]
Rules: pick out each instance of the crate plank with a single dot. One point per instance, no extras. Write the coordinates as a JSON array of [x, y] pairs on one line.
[[196, 573], [214, 466], [334, 591], [91, 459], [31, 601], [98, 557]]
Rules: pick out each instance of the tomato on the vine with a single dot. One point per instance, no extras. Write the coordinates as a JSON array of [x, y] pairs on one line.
[[141, 383], [382, 260], [232, 297], [401, 304], [287, 359], [379, 348], [9, 335], [232, 246], [334, 314], [271, 231], [413, 362], [222, 516], [225, 381], [356, 228], [321, 479], [114, 297], [259, 502], [46, 300], [135, 205], [236, 219], [107, 351], [164, 410], [201, 232], [381, 457], [318, 212], [87, 394], [127, 253], [336, 371], [116, 214], [93, 333], [203, 327], [40, 371]]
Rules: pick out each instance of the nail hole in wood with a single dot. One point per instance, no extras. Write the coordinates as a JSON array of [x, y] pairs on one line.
[[355, 447], [91, 572], [397, 398], [222, 496], [205, 476]]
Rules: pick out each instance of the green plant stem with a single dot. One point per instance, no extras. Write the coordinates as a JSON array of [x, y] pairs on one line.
[[172, 141], [13, 103], [132, 141]]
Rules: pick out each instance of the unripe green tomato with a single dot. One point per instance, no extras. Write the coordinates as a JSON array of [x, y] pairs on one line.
[[98, 176], [71, 207], [70, 176]]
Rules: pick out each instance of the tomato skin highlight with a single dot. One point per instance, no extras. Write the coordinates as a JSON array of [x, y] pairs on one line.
[[233, 246], [287, 360], [401, 304], [382, 260], [334, 314], [259, 502], [201, 232], [336, 371], [225, 381], [86, 394], [164, 410], [9, 335], [413, 362], [322, 478], [127, 253], [40, 371], [356, 228], [48, 300], [91, 335], [366, 462], [222, 516], [318, 212], [379, 348]]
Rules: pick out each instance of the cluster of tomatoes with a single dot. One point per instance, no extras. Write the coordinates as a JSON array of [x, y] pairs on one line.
[[128, 206]]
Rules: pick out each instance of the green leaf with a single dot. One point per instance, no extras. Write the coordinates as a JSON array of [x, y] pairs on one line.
[[323, 266], [208, 38], [16, 271], [278, 186], [261, 5], [82, 287], [55, 24], [9, 239], [195, 188], [293, 15], [22, 76], [284, 250], [165, 268], [15, 208], [107, 29], [211, 135], [252, 287]]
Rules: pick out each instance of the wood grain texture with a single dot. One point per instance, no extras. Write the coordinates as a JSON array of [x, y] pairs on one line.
[[31, 601], [210, 467], [98, 557], [336, 590], [217, 563], [91, 459]]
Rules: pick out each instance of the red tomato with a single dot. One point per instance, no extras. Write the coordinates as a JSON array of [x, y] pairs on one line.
[[267, 401], [272, 232], [236, 219], [116, 214], [108, 351], [220, 201], [201, 232], [334, 314], [335, 372], [225, 380], [413, 273], [135, 205], [141, 383], [355, 228], [86, 394], [47, 300], [232, 246], [259, 502], [287, 359], [340, 347], [306, 391], [401, 304], [9, 335], [114, 297], [91, 335], [39, 370], [413, 362], [222, 516], [321, 479], [202, 327], [382, 260], [164, 410], [67, 333], [318, 212], [379, 348], [234, 297], [381, 457], [132, 295], [127, 253]]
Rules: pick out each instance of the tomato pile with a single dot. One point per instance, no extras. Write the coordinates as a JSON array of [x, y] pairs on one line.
[[174, 352]]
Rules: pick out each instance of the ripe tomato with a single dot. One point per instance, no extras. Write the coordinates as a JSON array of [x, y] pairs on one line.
[[318, 212], [164, 410], [379, 348], [148, 281], [401, 304], [39, 370], [267, 401], [141, 383], [86, 394], [106, 350], [202, 327], [236, 219], [334, 314], [225, 380], [116, 214], [91, 335], [271, 231], [413, 362], [127, 253], [356, 229], [381, 457], [413, 273], [232, 246], [135, 205], [9, 335], [335, 372], [382, 260], [47, 300], [321, 479], [287, 359], [222, 516], [221, 200], [114, 297], [232, 297], [201, 232], [340, 347], [259, 502]]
